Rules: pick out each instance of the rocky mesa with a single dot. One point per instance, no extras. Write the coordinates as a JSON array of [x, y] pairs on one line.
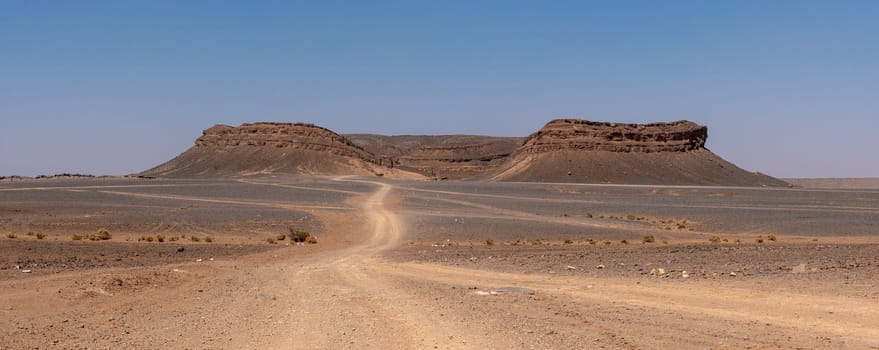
[[575, 150], [564, 150], [264, 148]]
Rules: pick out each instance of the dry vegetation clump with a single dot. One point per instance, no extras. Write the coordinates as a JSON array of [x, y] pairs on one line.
[[625, 241], [568, 241], [714, 239], [760, 239], [77, 237], [194, 239], [40, 235], [11, 235], [648, 239], [489, 242], [281, 237], [101, 235], [160, 238], [299, 235], [772, 238], [271, 240], [208, 239]]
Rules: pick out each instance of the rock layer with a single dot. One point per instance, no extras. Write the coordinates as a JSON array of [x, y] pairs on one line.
[[584, 135]]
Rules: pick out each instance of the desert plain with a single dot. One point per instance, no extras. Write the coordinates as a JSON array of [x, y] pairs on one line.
[[414, 264]]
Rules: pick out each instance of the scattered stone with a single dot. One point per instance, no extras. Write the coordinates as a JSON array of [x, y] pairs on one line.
[[198, 260], [600, 266], [684, 274], [26, 271], [733, 274], [514, 290], [661, 272], [569, 267]]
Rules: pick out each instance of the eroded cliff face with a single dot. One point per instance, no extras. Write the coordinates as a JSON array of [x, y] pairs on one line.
[[282, 135], [584, 135]]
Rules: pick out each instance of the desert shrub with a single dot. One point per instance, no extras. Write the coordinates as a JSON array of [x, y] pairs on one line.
[[271, 240], [160, 238], [299, 235], [588, 215], [149, 238], [208, 239], [772, 238], [606, 242], [194, 239], [489, 242], [281, 237], [631, 217], [592, 241], [738, 241], [648, 239], [760, 239], [40, 235], [101, 235], [625, 241], [10, 235], [714, 239], [568, 241], [30, 233], [172, 239], [76, 237]]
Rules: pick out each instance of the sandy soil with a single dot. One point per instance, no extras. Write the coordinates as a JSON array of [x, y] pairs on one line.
[[417, 265]]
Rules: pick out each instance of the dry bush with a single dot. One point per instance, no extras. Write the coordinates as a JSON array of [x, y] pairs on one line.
[[625, 241], [271, 240], [568, 241], [76, 237], [10, 235], [208, 239], [160, 238], [714, 239], [281, 237], [40, 235], [101, 235], [299, 235], [772, 238], [489, 242], [648, 239], [172, 239], [760, 239], [30, 233], [194, 239]]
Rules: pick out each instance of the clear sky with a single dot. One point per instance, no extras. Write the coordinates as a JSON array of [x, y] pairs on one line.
[[788, 88]]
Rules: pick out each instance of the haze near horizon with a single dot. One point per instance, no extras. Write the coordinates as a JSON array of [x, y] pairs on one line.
[[786, 88]]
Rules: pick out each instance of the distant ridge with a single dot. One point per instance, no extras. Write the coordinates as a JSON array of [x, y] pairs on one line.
[[564, 150]]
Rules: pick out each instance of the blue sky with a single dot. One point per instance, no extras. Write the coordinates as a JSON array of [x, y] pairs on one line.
[[788, 88]]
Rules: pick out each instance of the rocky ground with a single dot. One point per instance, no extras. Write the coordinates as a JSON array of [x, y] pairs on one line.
[[413, 265]]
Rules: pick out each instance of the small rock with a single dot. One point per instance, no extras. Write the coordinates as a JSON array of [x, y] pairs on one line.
[[661, 272], [181, 249], [684, 274], [733, 274], [26, 271], [569, 267], [198, 260], [600, 266]]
